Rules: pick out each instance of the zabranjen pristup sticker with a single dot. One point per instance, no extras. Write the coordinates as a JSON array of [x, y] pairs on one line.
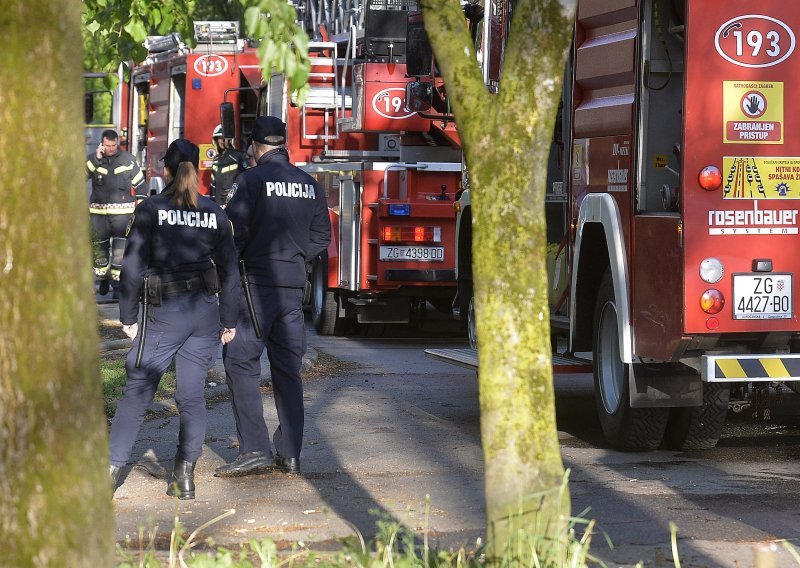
[[752, 112]]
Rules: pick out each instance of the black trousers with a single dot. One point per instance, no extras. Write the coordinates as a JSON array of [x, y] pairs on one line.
[[280, 317], [184, 326], [104, 228]]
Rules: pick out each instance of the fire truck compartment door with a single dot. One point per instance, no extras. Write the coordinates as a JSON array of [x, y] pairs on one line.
[[750, 368], [349, 233]]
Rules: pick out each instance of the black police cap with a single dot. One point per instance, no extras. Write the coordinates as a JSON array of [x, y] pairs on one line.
[[269, 130], [181, 150]]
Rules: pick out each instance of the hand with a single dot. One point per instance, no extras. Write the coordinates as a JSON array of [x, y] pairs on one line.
[[228, 334], [131, 330], [100, 152]]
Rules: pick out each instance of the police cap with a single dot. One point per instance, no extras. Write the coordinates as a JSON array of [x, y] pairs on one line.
[[269, 130], [181, 150]]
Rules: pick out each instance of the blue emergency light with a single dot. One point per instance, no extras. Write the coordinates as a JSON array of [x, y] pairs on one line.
[[399, 209]]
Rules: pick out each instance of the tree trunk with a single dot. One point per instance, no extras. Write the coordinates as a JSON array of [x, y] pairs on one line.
[[506, 139], [55, 496]]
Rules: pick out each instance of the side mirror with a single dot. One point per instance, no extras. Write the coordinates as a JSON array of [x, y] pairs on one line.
[[227, 118], [419, 96]]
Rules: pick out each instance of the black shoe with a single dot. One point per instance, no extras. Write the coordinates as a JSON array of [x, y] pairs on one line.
[[182, 483], [246, 464], [287, 465], [102, 289]]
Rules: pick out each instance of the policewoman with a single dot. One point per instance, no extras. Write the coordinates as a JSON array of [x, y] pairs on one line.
[[280, 219], [181, 261]]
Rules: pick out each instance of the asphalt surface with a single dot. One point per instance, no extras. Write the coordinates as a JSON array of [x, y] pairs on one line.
[[387, 429]]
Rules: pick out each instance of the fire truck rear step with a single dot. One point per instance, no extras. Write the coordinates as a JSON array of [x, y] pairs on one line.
[[562, 363], [750, 368]]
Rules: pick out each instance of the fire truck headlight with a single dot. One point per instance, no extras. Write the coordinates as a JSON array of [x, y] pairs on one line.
[[710, 178], [711, 270], [712, 301]]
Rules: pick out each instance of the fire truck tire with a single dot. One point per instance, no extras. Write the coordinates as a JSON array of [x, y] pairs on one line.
[[472, 324], [324, 302], [699, 427], [625, 428]]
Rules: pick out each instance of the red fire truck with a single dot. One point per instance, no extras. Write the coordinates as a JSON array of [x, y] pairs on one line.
[[673, 213], [176, 92], [390, 172]]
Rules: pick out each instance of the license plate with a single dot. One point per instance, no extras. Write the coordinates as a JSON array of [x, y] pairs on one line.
[[415, 254], [762, 296]]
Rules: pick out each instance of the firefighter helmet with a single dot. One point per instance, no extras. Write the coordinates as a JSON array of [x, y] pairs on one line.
[[217, 132]]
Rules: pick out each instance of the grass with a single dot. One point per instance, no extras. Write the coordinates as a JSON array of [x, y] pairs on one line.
[[394, 546], [113, 376]]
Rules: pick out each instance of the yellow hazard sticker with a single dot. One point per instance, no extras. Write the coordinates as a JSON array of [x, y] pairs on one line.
[[752, 112], [761, 178], [207, 154], [660, 161]]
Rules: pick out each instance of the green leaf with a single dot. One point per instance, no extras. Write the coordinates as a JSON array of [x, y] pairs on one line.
[[252, 16], [93, 27], [136, 29]]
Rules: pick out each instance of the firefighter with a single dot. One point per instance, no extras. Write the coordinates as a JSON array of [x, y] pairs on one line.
[[117, 185], [226, 166], [180, 254], [280, 220]]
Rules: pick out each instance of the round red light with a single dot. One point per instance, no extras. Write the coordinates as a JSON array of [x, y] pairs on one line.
[[712, 323], [712, 301], [710, 178]]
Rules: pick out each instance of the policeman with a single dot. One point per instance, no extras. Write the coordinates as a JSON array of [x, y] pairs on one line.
[[226, 166], [175, 241], [117, 184], [280, 219]]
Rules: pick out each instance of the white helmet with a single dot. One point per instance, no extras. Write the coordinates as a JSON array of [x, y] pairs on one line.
[[217, 132]]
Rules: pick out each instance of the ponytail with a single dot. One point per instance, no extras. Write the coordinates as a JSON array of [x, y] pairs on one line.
[[185, 186]]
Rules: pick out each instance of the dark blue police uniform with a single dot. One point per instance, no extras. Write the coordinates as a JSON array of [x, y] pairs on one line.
[[178, 246], [280, 219]]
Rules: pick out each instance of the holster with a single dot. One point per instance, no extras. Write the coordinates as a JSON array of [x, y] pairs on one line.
[[211, 280], [154, 290]]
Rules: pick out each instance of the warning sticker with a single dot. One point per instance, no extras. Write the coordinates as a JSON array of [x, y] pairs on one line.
[[761, 178], [207, 154], [753, 112]]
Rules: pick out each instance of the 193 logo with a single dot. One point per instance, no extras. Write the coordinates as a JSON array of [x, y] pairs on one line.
[[754, 41], [210, 65]]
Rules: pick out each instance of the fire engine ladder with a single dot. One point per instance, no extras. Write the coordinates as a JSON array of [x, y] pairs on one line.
[[562, 362], [324, 93]]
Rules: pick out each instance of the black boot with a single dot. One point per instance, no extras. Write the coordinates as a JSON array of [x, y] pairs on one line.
[[182, 483]]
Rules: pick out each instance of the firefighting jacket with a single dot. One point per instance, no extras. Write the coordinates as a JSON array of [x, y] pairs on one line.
[[224, 170], [179, 243], [116, 179], [280, 220]]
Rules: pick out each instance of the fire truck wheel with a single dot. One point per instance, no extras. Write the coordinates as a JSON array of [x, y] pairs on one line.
[[625, 428], [324, 303], [699, 427], [472, 326]]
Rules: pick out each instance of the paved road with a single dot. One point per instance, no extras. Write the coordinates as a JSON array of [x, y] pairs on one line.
[[386, 427]]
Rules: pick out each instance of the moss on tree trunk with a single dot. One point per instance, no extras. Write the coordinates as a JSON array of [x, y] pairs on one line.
[[55, 507], [506, 139]]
